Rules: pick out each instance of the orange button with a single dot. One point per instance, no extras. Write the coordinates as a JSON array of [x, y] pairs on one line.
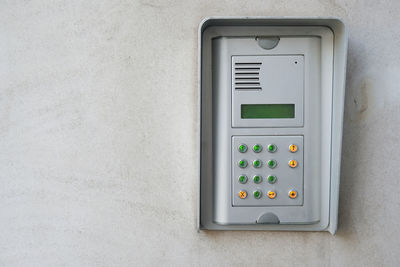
[[242, 194], [293, 148], [292, 194], [271, 194], [292, 163]]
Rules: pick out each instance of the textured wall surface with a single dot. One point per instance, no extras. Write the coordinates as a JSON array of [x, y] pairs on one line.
[[98, 160]]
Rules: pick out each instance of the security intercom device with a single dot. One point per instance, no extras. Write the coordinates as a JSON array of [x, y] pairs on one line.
[[271, 111]]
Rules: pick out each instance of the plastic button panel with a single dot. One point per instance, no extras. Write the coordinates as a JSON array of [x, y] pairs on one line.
[[282, 170]]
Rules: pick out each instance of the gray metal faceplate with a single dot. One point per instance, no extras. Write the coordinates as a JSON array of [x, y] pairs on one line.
[[293, 83], [281, 81]]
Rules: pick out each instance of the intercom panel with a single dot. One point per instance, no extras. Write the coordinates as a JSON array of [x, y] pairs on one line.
[[268, 95], [269, 112]]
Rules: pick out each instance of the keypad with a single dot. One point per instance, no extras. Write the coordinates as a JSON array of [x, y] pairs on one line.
[[271, 171]]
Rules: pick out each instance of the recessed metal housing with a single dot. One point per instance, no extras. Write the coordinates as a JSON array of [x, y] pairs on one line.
[[265, 81]]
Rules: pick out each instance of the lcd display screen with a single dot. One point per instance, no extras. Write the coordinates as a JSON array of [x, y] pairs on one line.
[[267, 111]]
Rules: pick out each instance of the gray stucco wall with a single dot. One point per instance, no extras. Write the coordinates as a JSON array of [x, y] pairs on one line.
[[98, 126]]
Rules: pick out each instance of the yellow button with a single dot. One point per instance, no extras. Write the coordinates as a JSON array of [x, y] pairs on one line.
[[271, 194], [242, 194], [292, 194], [293, 148], [292, 163]]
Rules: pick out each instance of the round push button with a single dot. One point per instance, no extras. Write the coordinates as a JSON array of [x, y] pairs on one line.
[[242, 194], [257, 179], [292, 163], [257, 194], [257, 163], [257, 148], [271, 179], [272, 163], [271, 194], [292, 194], [271, 148], [292, 148], [242, 148], [242, 163], [242, 179]]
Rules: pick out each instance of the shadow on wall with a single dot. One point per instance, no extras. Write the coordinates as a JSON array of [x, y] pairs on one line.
[[356, 103]]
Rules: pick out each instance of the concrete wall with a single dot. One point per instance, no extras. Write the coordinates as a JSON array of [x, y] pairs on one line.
[[98, 126]]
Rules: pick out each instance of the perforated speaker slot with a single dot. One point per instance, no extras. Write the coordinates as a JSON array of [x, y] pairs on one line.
[[247, 75]]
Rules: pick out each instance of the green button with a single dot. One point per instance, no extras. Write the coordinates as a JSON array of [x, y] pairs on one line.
[[242, 179], [242, 163], [257, 179], [271, 179], [257, 163], [257, 148], [257, 194], [272, 163], [242, 148], [271, 148]]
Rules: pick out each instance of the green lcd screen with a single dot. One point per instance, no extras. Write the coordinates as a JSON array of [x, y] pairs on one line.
[[267, 111]]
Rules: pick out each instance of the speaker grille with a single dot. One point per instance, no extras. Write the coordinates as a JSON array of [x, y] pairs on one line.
[[247, 75]]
